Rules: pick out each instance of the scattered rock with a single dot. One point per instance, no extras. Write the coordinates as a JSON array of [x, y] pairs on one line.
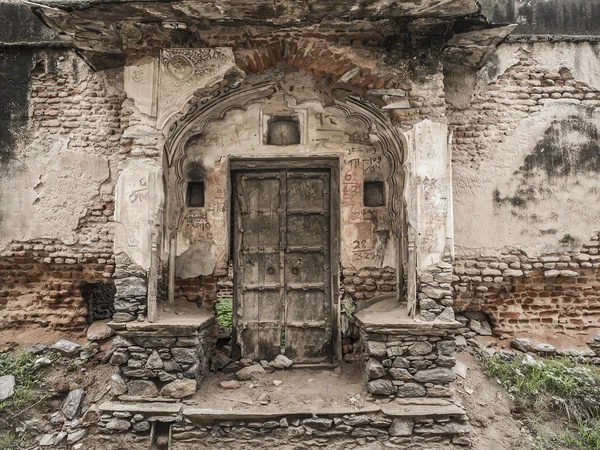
[[251, 373], [37, 349], [70, 407], [117, 384], [47, 440], [482, 328], [43, 361], [77, 436], [264, 398], [142, 388], [233, 384], [99, 331], [219, 360], [545, 348], [381, 387], [522, 344], [460, 369], [277, 382], [7, 387], [66, 348], [179, 388], [281, 362], [60, 437]]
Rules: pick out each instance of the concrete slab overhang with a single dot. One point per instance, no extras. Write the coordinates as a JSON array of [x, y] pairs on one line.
[[105, 31]]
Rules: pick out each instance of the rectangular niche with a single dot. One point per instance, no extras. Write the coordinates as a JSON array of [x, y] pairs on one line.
[[195, 194], [374, 194], [282, 129]]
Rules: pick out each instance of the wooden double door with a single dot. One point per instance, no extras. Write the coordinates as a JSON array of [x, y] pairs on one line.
[[282, 264]]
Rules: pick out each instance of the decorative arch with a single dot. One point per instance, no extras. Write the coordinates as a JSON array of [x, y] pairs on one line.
[[255, 88]]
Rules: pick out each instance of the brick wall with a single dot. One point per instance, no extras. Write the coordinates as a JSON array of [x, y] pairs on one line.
[[364, 284], [557, 291], [41, 284]]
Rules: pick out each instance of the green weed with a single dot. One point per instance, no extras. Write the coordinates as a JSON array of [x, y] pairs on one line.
[[584, 436], [27, 378], [9, 441], [554, 384], [224, 310]]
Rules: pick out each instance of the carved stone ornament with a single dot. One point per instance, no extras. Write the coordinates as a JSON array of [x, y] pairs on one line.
[[183, 71]]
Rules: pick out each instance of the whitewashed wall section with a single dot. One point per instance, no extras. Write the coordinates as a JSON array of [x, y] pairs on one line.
[[139, 200], [429, 192]]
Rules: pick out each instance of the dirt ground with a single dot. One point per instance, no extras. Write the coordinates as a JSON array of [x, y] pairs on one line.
[[486, 402], [314, 388], [488, 407]]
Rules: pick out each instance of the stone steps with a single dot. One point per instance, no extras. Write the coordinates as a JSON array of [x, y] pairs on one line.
[[419, 422]]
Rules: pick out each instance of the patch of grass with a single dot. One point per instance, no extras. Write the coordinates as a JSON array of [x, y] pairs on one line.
[[584, 436], [27, 378], [9, 441], [554, 384], [224, 310]]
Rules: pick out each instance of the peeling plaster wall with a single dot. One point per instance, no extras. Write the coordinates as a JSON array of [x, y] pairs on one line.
[[520, 179], [526, 164], [56, 171], [56, 187]]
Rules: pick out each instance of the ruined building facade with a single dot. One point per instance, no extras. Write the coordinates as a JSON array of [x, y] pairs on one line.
[[309, 159]]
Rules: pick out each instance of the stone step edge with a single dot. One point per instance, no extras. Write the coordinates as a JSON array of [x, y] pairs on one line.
[[406, 408]]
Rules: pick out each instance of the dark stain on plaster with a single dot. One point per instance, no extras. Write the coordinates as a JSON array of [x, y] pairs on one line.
[[567, 239], [15, 65], [558, 158], [568, 147], [195, 171]]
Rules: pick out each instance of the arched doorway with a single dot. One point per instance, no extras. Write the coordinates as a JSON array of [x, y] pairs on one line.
[[332, 167]]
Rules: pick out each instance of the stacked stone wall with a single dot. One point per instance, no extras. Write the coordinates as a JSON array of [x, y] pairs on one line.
[[296, 431], [149, 359], [409, 362]]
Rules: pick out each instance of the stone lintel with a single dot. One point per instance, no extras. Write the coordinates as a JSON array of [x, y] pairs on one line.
[[408, 408], [206, 414], [142, 407]]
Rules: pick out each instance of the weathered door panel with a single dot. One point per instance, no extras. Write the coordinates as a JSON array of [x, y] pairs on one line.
[[260, 305], [307, 276], [282, 261]]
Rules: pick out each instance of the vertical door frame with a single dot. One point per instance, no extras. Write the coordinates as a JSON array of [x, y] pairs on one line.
[[308, 163]]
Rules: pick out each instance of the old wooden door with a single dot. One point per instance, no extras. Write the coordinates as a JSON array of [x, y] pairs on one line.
[[282, 264]]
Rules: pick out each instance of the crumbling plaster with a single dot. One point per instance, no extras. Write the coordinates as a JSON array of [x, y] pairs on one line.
[[528, 188], [50, 181], [581, 58], [46, 195]]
